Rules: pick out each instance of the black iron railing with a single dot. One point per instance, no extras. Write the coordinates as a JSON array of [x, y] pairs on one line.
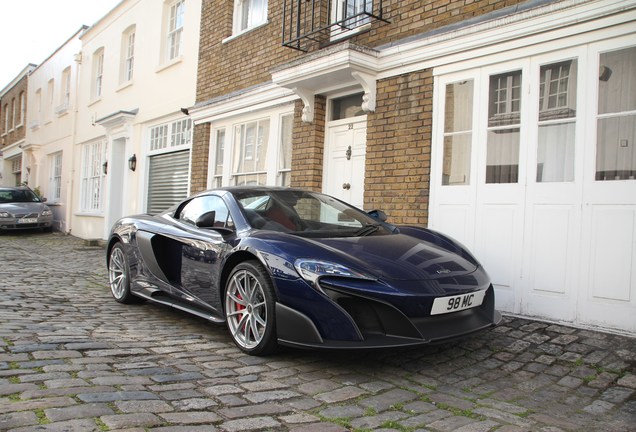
[[307, 22]]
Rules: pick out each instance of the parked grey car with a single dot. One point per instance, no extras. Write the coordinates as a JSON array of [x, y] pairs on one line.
[[21, 208]]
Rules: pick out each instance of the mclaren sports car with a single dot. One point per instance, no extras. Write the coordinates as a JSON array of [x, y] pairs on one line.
[[282, 266]]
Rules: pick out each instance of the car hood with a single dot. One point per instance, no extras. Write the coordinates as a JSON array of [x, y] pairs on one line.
[[23, 208], [398, 257]]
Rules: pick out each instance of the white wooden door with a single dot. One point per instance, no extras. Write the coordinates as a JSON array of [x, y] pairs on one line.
[[608, 265], [345, 154]]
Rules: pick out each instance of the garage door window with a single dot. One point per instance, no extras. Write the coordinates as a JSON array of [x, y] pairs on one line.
[[616, 131], [557, 122], [458, 124], [504, 107]]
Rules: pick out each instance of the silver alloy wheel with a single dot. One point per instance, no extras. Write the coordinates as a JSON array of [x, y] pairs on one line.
[[245, 309], [117, 273]]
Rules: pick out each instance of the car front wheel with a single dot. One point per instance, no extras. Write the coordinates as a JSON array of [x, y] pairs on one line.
[[249, 309], [119, 276]]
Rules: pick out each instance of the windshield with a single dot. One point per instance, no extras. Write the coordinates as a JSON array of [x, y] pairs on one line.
[[17, 196], [307, 214]]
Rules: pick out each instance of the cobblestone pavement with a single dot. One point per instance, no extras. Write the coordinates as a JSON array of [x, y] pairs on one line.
[[72, 359]]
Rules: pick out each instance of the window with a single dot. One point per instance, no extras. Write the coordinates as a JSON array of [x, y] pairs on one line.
[[6, 118], [219, 154], [175, 30], [504, 107], [250, 153], [128, 55], [13, 114], [252, 150], [458, 124], [557, 122], [98, 72], [22, 108], [55, 181], [199, 206], [38, 107], [50, 98], [175, 134], [93, 160], [249, 14], [66, 89], [616, 117], [349, 15]]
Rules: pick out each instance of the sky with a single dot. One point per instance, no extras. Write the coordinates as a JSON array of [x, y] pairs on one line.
[[31, 30]]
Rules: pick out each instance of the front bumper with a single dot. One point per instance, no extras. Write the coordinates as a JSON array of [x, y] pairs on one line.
[[380, 325], [12, 224]]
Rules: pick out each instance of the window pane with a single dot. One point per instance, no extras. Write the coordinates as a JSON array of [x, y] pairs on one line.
[[456, 169], [220, 150], [615, 155], [557, 100], [502, 164], [617, 81], [458, 113], [347, 107], [505, 99], [555, 153], [616, 125], [284, 152]]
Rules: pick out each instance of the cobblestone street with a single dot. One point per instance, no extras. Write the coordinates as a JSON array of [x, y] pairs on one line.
[[72, 359]]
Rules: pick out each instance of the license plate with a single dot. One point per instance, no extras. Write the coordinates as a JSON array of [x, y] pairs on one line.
[[456, 303], [27, 220]]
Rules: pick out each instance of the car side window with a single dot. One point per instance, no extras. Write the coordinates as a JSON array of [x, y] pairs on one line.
[[198, 206]]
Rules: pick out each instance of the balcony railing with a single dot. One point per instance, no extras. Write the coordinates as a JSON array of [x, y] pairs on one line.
[[319, 22]]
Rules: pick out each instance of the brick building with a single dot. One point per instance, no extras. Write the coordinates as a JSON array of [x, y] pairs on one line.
[[508, 124], [13, 103]]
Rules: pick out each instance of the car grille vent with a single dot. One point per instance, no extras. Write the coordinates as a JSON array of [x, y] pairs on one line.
[[26, 215]]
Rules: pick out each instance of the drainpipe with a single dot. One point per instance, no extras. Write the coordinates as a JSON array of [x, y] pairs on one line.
[[71, 186]]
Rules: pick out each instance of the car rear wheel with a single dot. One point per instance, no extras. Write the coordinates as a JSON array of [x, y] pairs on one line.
[[249, 309], [119, 276]]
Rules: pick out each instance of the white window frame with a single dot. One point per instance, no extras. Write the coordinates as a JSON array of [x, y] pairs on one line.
[[50, 101], [13, 124], [339, 10], [55, 180], [245, 19], [127, 67], [98, 74], [174, 30], [274, 173], [172, 136], [6, 118], [92, 177], [22, 108]]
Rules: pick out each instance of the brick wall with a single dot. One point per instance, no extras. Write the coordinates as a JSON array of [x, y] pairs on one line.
[[17, 133], [399, 148], [399, 132], [307, 147], [200, 156]]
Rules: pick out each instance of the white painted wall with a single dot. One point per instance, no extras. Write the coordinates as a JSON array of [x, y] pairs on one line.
[[158, 90], [51, 129]]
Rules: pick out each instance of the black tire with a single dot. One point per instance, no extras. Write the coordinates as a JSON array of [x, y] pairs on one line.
[[250, 303], [119, 276]]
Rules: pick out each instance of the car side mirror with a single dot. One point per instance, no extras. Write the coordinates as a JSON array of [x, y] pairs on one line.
[[206, 220], [378, 214]]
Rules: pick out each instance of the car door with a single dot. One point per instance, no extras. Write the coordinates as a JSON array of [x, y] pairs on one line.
[[202, 250]]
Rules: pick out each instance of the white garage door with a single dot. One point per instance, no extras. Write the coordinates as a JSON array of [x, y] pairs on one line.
[[534, 168]]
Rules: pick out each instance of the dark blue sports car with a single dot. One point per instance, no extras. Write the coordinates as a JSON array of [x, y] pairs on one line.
[[293, 267]]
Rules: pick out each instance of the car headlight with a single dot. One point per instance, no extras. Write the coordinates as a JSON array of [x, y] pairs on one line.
[[4, 215], [47, 212], [311, 270]]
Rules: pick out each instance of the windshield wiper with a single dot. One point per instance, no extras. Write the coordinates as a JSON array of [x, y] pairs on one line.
[[367, 229]]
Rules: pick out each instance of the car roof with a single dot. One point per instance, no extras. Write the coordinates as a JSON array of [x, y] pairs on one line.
[[14, 188]]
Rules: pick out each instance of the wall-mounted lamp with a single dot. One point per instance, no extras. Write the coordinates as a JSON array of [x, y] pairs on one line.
[[132, 163], [105, 167]]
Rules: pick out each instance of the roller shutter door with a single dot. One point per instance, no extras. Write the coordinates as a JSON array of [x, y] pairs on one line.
[[167, 180]]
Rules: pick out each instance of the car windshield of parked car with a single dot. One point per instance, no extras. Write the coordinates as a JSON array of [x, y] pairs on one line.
[[305, 214], [17, 196]]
